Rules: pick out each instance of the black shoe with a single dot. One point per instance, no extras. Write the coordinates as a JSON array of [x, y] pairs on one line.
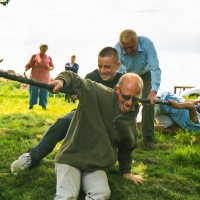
[[44, 108], [147, 141], [30, 107]]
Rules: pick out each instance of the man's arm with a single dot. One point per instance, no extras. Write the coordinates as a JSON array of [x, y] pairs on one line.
[[66, 66], [189, 105], [76, 68], [196, 101], [68, 79], [153, 61], [125, 164]]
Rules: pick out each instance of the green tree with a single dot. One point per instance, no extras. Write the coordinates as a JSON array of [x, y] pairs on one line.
[[4, 2]]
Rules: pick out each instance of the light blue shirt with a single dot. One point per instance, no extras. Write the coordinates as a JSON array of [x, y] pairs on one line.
[[179, 116], [142, 61]]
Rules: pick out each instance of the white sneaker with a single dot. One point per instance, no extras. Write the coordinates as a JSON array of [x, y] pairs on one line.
[[23, 162]]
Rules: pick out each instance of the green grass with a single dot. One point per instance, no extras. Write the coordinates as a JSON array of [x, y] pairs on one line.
[[171, 168]]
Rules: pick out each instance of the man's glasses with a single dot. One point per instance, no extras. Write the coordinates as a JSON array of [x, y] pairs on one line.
[[127, 97]]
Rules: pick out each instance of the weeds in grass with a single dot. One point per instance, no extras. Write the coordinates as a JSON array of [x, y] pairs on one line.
[[171, 168]]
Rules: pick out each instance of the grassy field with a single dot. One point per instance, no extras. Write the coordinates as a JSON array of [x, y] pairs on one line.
[[171, 168]]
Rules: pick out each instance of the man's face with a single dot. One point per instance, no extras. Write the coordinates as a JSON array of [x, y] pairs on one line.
[[127, 95], [107, 68], [43, 49], [73, 58], [130, 47]]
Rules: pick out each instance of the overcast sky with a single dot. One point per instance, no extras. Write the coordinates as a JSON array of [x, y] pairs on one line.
[[84, 27]]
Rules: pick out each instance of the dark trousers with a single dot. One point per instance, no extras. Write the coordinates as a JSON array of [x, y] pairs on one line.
[[147, 110], [67, 98], [54, 134]]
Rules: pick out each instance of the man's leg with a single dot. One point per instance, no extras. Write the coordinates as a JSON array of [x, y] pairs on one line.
[[68, 99], [55, 134], [95, 185], [147, 111], [167, 124], [166, 121], [68, 182], [163, 119]]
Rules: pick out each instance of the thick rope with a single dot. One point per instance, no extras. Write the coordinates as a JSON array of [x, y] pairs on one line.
[[33, 82], [62, 90]]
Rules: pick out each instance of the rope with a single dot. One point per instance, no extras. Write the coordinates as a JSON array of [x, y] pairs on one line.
[[33, 82], [157, 102], [62, 90]]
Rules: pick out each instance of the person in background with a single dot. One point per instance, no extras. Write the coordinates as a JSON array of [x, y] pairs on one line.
[[102, 130], [106, 74], [181, 114], [40, 65], [138, 55], [74, 67]]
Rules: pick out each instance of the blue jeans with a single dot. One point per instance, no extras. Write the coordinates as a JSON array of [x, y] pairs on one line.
[[36, 93], [54, 134]]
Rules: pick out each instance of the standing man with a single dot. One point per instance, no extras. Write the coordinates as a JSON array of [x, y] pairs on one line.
[[138, 55], [40, 65], [74, 67]]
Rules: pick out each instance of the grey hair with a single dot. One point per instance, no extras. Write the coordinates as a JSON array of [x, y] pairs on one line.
[[126, 34]]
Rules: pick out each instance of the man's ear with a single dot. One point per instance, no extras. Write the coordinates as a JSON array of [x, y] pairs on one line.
[[116, 89], [118, 65]]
